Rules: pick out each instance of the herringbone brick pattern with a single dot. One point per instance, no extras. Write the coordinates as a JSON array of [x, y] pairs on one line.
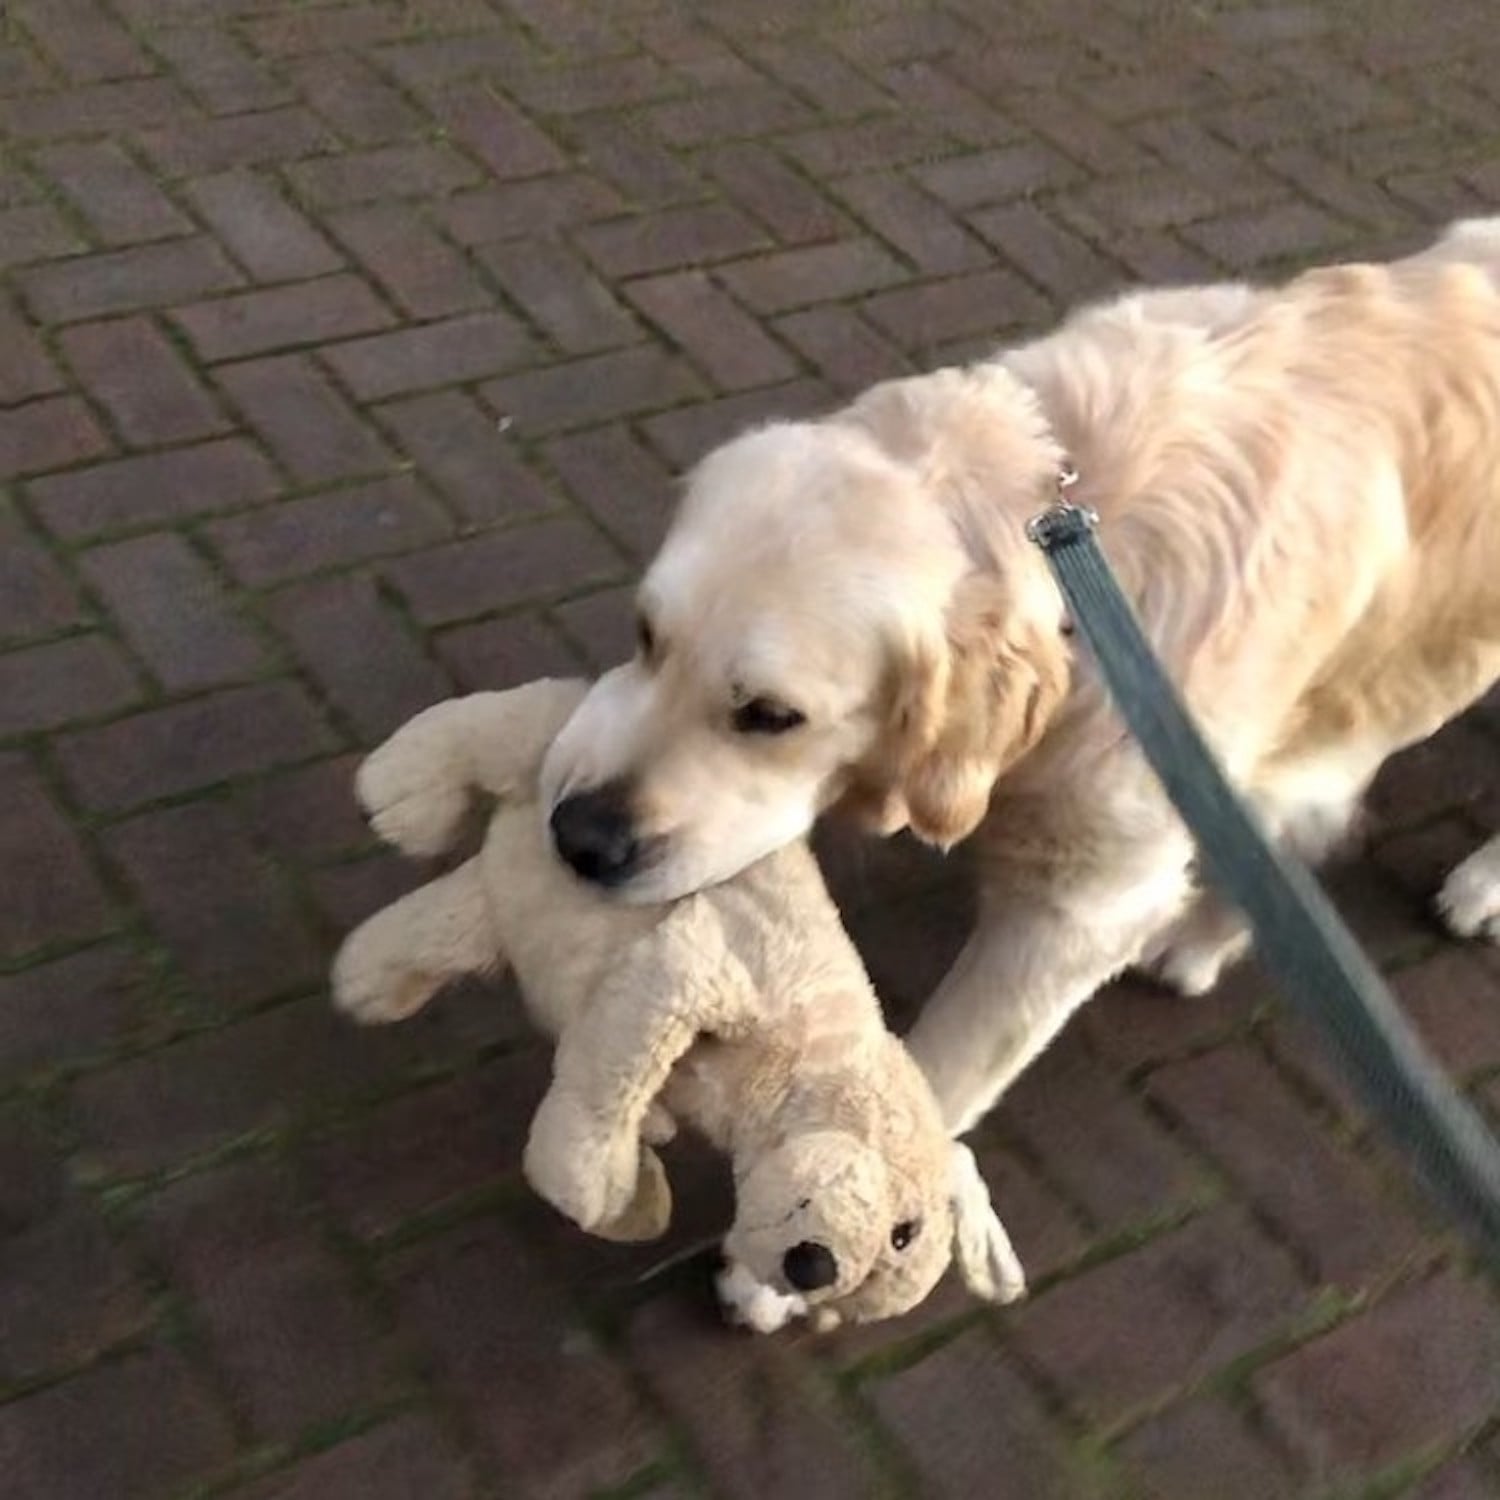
[[348, 349]]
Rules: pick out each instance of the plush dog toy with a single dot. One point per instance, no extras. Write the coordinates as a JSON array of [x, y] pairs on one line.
[[743, 1011]]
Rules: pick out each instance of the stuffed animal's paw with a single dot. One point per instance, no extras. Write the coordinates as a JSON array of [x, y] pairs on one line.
[[752, 1304], [582, 1168], [650, 1213], [410, 794], [372, 980]]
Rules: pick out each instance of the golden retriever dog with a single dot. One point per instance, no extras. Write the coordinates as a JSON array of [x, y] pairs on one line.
[[1300, 492]]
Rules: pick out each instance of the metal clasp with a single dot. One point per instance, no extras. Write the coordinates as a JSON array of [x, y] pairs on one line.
[[1062, 522]]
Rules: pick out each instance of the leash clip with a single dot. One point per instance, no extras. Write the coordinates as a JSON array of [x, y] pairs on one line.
[[1062, 522]]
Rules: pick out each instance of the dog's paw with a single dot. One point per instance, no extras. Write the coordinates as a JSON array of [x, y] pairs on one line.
[[1469, 901], [411, 796], [748, 1303], [1188, 969]]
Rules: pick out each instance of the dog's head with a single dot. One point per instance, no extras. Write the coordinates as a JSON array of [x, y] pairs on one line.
[[840, 613]]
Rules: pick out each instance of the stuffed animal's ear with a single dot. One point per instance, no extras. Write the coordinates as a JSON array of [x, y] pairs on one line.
[[987, 1260]]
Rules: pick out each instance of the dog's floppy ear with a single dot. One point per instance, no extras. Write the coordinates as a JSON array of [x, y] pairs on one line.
[[978, 701], [986, 1259]]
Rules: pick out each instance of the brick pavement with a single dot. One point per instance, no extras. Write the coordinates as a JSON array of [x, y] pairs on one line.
[[347, 350]]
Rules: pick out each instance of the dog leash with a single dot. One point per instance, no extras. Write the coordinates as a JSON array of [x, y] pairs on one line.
[[1299, 937]]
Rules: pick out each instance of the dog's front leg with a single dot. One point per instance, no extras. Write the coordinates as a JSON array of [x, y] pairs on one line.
[[1035, 957]]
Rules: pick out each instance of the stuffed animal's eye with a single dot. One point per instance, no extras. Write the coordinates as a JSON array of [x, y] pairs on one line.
[[904, 1233], [766, 716]]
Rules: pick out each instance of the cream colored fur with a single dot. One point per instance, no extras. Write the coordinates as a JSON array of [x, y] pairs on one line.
[[1298, 488], [744, 1012]]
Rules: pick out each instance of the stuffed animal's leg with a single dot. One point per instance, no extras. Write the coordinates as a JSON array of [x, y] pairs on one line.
[[393, 964], [417, 786]]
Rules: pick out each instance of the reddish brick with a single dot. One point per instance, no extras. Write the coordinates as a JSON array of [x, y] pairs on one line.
[[1048, 1234], [1451, 999], [48, 435], [309, 312], [971, 1426], [982, 304], [93, 286], [132, 370], [355, 101], [309, 813], [190, 745], [132, 1428], [82, 39], [119, 200], [1183, 1305], [603, 624], [758, 1421], [32, 233], [327, 530], [395, 1461], [782, 199], [230, 921], [36, 597], [843, 348], [414, 359], [669, 238], [1423, 1367], [218, 71], [559, 295], [96, 109], [426, 275], [1206, 1448], [816, 72], [824, 273], [913, 223], [271, 136], [1244, 241], [589, 391], [422, 171], [260, 228], [296, 32], [540, 206], [156, 487], [59, 897], [504, 653], [499, 135], [174, 613], [627, 490], [997, 176], [82, 677], [647, 174], [608, 84], [68, 1009], [1329, 1206], [459, 448], [358, 651], [285, 1328], [347, 894], [727, 345], [1462, 1479], [554, 1412], [466, 579], [890, 141], [686, 434], [304, 421], [727, 114], [25, 370], [1058, 262], [1452, 771]]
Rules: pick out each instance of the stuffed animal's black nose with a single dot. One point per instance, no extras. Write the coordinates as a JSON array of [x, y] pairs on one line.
[[595, 833], [809, 1266]]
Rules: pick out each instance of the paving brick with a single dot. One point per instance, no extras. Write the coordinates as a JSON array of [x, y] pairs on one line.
[[304, 421], [1451, 999], [36, 597], [685, 434], [891, 141], [230, 921], [355, 100], [218, 70], [544, 1401], [385, 172], [648, 175], [93, 109], [118, 199], [435, 354], [821, 273], [308, 312], [756, 1418], [327, 530], [723, 340], [132, 1428], [423, 273], [25, 369], [67, 1009], [461, 450], [589, 391], [627, 489], [154, 488], [912, 222], [786, 202], [308, 813], [252, 1262], [1421, 1367], [504, 653], [35, 232], [670, 238], [983, 304], [346, 894], [817, 73], [1058, 262], [842, 347], [1244, 241], [603, 625], [541, 205], [1183, 1305], [395, 1461], [970, 1426], [174, 612], [501, 137], [296, 32], [996, 176], [465, 579], [727, 114], [62, 682], [559, 295], [132, 370], [1451, 772], [610, 82], [1206, 1448], [82, 39], [1463, 1479], [268, 136], [270, 238], [195, 744], [359, 652], [92, 286], [48, 434]]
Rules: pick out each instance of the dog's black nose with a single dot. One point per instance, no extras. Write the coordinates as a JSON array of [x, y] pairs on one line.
[[809, 1266], [595, 834]]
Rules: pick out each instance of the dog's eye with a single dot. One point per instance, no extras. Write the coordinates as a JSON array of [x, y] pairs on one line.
[[904, 1233], [766, 716], [645, 637]]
